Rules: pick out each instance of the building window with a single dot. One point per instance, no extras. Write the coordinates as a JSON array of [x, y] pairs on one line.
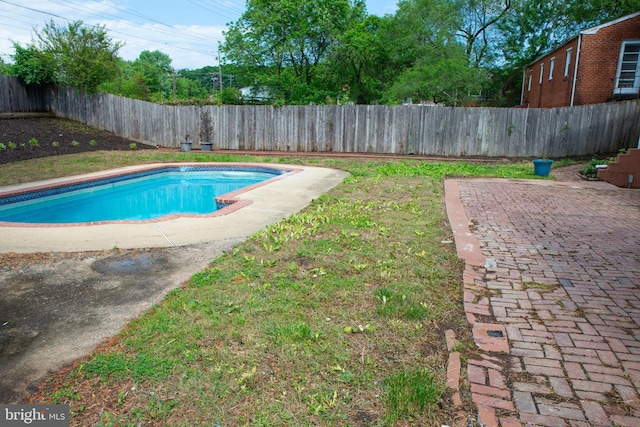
[[541, 73], [552, 65], [567, 62], [628, 75], [529, 80]]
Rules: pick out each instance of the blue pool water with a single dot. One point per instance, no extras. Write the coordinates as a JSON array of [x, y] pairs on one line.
[[139, 196]]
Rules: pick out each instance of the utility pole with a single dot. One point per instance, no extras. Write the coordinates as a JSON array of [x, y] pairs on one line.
[[220, 70]]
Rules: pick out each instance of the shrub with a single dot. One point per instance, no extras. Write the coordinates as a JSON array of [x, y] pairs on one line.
[[590, 168]]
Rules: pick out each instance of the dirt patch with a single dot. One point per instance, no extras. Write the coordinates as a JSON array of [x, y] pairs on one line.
[[57, 308], [35, 137], [569, 173]]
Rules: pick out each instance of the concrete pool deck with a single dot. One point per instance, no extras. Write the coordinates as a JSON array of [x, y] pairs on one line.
[[261, 205]]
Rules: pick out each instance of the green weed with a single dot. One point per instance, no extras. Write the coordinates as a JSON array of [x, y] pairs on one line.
[[138, 366], [289, 333], [64, 394], [410, 393]]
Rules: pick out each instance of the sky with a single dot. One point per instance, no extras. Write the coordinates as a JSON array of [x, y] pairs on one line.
[[189, 31]]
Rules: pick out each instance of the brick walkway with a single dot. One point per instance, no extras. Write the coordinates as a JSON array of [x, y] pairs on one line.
[[552, 290]]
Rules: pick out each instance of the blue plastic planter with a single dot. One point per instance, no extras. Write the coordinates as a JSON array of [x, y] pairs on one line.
[[542, 167]]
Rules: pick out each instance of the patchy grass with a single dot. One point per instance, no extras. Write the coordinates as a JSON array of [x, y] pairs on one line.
[[334, 316], [74, 164]]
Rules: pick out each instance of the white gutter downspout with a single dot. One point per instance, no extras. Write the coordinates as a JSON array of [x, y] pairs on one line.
[[575, 71], [524, 82]]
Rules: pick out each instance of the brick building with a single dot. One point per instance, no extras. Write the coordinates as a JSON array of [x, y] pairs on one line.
[[600, 64]]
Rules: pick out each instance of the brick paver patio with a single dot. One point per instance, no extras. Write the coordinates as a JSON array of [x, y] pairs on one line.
[[552, 290]]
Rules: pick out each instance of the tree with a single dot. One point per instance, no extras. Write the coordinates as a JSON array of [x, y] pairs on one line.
[[359, 60], [206, 77], [33, 66], [77, 55], [441, 77], [154, 68], [287, 40], [427, 59], [477, 17], [4, 67], [127, 83]]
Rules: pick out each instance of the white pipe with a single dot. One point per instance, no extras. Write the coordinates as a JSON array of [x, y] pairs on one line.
[[575, 71], [524, 82]]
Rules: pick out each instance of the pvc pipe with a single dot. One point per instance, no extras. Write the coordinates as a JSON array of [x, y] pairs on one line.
[[575, 71]]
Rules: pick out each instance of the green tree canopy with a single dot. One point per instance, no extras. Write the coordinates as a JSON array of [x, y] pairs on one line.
[[78, 55], [477, 27], [4, 67], [428, 59], [33, 66], [154, 69], [288, 40], [359, 60]]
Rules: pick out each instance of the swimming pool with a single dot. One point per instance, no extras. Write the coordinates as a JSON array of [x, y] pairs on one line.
[[247, 211], [155, 193]]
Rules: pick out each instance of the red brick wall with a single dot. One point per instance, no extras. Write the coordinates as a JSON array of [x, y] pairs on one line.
[[598, 63], [554, 92]]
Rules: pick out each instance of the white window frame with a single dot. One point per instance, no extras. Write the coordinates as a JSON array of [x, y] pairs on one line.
[[541, 73], [567, 62], [552, 66], [529, 80], [636, 81]]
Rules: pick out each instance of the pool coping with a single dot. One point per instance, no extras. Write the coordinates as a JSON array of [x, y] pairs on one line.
[[252, 208]]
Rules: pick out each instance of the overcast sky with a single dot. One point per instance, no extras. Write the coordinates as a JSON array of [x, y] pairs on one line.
[[187, 30]]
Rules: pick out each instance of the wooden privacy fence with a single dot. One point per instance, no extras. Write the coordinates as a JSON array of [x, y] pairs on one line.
[[397, 130], [16, 97]]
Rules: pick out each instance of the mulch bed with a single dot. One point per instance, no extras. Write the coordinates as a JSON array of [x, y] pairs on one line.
[[36, 137]]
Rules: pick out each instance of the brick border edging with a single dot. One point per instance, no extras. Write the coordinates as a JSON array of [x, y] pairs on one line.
[[488, 384]]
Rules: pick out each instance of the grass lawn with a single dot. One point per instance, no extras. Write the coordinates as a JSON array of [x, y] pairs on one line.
[[334, 316]]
